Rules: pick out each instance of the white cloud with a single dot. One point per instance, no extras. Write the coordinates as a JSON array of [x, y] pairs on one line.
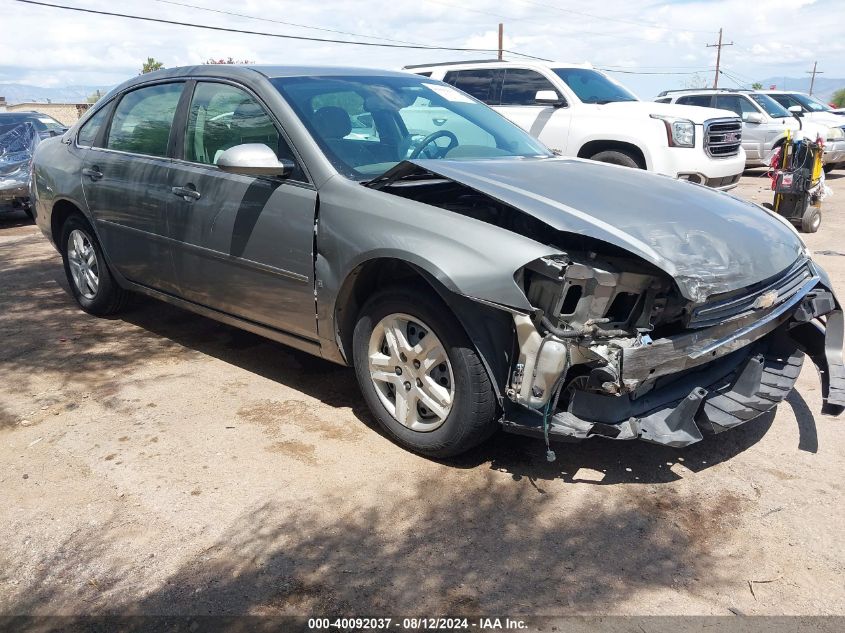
[[74, 48]]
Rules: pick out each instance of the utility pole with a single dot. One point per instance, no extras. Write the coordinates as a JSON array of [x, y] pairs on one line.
[[718, 48], [502, 40], [813, 72]]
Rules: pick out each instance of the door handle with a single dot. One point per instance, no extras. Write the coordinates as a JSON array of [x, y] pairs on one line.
[[93, 173], [186, 193]]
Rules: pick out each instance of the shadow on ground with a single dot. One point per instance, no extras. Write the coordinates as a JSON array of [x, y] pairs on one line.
[[486, 546]]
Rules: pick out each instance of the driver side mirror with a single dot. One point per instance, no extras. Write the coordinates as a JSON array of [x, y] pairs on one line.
[[752, 117], [796, 110], [549, 97], [254, 159]]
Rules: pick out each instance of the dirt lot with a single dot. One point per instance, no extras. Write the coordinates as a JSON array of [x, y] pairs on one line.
[[163, 463]]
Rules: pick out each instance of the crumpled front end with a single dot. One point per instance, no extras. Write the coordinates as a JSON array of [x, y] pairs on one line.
[[613, 350], [16, 148]]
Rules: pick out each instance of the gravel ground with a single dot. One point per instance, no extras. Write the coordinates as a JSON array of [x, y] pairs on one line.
[[163, 463]]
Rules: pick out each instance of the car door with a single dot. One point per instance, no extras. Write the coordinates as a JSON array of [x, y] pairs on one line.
[[757, 136], [243, 244], [518, 103], [126, 183]]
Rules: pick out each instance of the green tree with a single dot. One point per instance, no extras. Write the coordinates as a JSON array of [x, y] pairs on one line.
[[94, 97], [757, 85], [838, 98], [228, 60], [150, 65]]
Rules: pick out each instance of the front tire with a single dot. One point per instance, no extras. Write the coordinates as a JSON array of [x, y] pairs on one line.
[[616, 157], [420, 376], [88, 275]]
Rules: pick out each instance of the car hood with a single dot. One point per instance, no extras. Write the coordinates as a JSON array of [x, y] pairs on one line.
[[709, 242], [644, 109]]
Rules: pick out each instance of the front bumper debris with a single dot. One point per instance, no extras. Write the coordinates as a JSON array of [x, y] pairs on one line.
[[706, 398]]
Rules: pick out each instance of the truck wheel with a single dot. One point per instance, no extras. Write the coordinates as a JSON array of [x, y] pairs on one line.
[[91, 282], [616, 157], [422, 379], [811, 220], [828, 168]]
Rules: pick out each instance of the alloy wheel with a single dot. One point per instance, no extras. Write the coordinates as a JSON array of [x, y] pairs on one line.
[[82, 260], [411, 372]]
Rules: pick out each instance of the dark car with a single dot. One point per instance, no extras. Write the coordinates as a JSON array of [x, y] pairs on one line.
[[45, 125], [472, 278], [20, 132]]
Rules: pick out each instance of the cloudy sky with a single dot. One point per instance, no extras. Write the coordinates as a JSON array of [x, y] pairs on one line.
[[54, 47]]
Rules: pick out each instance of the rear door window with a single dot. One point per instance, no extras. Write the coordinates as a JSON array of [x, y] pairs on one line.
[[483, 84], [736, 103], [695, 100], [143, 118], [520, 86]]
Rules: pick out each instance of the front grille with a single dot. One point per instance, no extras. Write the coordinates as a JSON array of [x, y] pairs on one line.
[[742, 304], [722, 137]]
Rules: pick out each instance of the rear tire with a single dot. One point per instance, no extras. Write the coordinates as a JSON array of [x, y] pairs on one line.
[[828, 168], [88, 275], [402, 375], [616, 157]]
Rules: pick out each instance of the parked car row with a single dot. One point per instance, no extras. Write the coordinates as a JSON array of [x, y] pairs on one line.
[[766, 117], [473, 279]]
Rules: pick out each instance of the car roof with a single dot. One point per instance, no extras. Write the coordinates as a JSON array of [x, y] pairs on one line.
[[250, 71], [495, 63]]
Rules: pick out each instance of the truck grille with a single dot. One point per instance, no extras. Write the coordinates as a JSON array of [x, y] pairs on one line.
[[722, 137], [782, 288]]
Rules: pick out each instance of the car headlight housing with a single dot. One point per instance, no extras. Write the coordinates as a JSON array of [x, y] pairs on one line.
[[679, 132], [835, 134]]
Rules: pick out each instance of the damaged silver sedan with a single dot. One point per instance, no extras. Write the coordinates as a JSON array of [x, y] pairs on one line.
[[474, 280]]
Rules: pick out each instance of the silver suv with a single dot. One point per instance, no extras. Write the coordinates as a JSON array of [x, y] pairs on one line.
[[764, 121]]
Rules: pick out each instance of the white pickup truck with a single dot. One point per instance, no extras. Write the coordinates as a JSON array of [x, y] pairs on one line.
[[579, 111]]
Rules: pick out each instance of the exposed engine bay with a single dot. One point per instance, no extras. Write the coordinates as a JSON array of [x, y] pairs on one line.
[[614, 350], [615, 346]]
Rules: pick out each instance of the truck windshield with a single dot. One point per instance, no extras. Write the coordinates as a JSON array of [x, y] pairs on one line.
[[591, 86], [772, 107], [811, 103], [367, 124]]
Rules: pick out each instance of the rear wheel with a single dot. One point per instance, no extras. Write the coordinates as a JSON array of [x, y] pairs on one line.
[[828, 168], [420, 376], [90, 280], [616, 157]]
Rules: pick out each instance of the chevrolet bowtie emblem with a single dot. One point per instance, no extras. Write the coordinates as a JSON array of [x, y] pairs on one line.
[[765, 300]]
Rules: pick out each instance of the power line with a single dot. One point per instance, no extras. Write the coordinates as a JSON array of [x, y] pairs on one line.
[[640, 72], [277, 35], [266, 19]]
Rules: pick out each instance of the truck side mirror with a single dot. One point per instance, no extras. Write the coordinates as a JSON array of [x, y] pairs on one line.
[[549, 97]]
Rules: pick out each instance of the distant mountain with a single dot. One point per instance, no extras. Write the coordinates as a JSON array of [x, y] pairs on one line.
[[23, 93], [823, 88]]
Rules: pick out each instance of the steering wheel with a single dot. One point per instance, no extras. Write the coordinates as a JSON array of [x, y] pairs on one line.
[[453, 143]]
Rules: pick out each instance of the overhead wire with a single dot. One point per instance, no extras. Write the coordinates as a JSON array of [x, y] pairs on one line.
[[276, 35]]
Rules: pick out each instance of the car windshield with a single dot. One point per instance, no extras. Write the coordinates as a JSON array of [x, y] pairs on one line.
[[811, 103], [366, 125], [591, 86], [769, 105]]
